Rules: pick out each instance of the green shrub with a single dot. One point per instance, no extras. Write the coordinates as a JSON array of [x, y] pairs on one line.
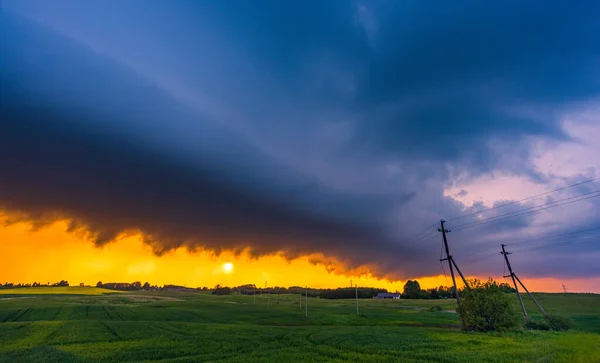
[[537, 325], [559, 322], [436, 308], [486, 307]]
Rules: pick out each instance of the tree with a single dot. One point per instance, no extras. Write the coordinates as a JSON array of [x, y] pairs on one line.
[[99, 284], [146, 286], [433, 293], [412, 289], [486, 307], [506, 287]]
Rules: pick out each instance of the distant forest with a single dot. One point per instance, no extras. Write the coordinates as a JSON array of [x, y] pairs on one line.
[[412, 289]]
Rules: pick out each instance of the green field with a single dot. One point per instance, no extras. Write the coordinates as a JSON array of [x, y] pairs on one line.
[[89, 324], [87, 290]]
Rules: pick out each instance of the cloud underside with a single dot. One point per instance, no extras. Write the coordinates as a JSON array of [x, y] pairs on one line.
[[108, 186]]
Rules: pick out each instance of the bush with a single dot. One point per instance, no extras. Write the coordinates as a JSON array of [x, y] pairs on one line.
[[222, 291], [486, 307], [537, 325], [558, 322], [435, 308], [550, 322]]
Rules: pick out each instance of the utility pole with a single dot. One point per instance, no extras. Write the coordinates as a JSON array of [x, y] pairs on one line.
[[357, 312], [564, 288], [451, 262], [531, 296], [512, 275], [306, 304]]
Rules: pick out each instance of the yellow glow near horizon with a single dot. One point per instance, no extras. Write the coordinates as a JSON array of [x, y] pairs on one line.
[[228, 267], [51, 254]]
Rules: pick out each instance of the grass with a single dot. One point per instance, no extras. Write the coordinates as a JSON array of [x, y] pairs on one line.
[[582, 308], [58, 290], [191, 327]]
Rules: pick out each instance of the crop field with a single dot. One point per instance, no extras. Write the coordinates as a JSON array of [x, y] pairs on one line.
[[89, 324]]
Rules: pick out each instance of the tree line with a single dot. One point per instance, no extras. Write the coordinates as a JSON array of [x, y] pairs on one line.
[[339, 293], [412, 289], [10, 285]]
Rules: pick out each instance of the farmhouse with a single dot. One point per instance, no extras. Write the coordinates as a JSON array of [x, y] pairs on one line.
[[387, 295]]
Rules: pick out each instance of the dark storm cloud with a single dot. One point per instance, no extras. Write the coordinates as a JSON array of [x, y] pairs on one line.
[[56, 162], [112, 186], [457, 75], [297, 127]]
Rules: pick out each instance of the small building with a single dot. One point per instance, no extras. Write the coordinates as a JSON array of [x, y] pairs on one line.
[[387, 295]]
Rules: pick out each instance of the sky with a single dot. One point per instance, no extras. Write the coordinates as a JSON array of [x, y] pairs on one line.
[[305, 142]]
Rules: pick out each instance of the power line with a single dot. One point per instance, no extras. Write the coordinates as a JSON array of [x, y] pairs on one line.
[[442, 264], [556, 244], [444, 271], [420, 235], [413, 245], [527, 249], [524, 199], [473, 261], [527, 211], [426, 237], [552, 236], [533, 240], [479, 251], [415, 239]]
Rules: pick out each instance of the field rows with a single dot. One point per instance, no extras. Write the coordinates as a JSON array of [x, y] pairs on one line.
[[201, 327], [156, 341]]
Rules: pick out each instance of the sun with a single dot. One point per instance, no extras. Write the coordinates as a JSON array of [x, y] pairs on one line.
[[228, 267]]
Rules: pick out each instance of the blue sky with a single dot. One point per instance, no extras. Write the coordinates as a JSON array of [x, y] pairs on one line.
[[341, 127]]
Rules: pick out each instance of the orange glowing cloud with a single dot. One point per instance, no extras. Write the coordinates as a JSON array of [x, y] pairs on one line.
[[52, 253]]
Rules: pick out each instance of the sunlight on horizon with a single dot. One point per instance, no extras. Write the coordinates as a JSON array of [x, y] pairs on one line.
[[228, 267]]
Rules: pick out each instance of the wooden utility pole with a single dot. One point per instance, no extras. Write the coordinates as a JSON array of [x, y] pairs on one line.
[[306, 304], [357, 312], [531, 296], [451, 262], [512, 275]]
